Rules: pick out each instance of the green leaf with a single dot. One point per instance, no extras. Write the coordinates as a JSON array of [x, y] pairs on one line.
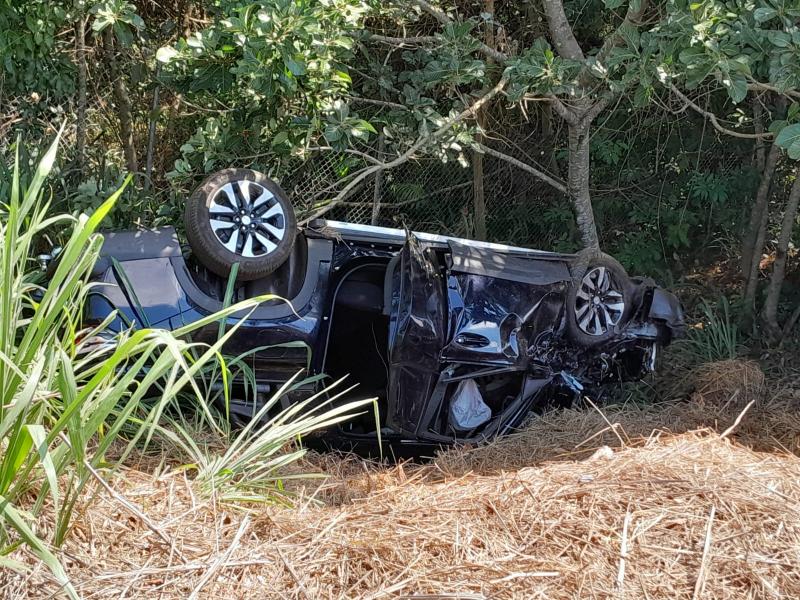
[[137, 22], [777, 126], [365, 125], [736, 84], [123, 34], [789, 140], [612, 4], [692, 55], [14, 565], [38, 435], [280, 138], [166, 53], [296, 67], [10, 514], [341, 77], [781, 39], [100, 23], [642, 95], [764, 14]]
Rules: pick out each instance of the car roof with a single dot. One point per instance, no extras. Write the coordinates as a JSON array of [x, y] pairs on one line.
[[389, 235]]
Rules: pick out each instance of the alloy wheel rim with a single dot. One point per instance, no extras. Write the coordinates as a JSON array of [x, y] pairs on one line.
[[247, 219], [599, 305]]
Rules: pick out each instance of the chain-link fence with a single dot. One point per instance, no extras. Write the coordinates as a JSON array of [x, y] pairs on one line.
[[425, 194], [437, 195]]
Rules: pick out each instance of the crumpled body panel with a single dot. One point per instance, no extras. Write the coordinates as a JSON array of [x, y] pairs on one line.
[[416, 333], [495, 320]]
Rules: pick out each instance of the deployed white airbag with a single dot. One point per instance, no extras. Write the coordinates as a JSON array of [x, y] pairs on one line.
[[467, 408]]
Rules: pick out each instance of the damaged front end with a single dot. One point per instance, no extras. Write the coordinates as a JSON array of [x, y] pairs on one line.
[[479, 339]]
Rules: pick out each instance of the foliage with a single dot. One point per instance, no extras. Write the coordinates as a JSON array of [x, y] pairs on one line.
[[120, 16], [69, 391], [735, 43], [251, 468], [789, 138], [279, 69], [33, 55], [716, 335], [60, 390], [259, 83]]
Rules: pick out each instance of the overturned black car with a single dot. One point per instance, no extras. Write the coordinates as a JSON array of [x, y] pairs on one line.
[[458, 339]]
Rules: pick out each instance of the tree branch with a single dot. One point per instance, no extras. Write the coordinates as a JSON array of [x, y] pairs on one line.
[[633, 18], [363, 155], [384, 103], [404, 41], [765, 87], [561, 187], [421, 142], [561, 31], [713, 119], [442, 17], [563, 111], [597, 107]]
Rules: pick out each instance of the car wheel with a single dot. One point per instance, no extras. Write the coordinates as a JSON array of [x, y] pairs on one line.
[[599, 300], [240, 216]]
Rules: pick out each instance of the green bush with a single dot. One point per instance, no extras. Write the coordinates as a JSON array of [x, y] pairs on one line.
[[65, 399]]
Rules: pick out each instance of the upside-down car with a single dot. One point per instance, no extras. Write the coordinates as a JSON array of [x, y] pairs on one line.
[[458, 339]]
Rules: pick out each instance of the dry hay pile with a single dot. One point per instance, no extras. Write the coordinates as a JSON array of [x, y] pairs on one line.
[[692, 515], [737, 382]]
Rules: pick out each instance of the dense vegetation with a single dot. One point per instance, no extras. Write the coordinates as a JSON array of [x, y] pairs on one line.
[[70, 394], [666, 133]]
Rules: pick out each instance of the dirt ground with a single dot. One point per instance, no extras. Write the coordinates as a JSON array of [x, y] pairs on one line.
[[690, 499]]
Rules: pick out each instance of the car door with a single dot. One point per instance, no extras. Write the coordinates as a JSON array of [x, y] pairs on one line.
[[417, 307], [500, 303]]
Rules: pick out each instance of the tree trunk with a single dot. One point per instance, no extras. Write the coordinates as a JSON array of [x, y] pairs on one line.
[[560, 30], [151, 133], [123, 102], [478, 196], [779, 266], [80, 118], [549, 139], [759, 215], [578, 184], [758, 127], [377, 191]]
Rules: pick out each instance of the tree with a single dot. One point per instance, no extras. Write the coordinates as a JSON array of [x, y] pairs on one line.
[[342, 78], [274, 74], [117, 23], [747, 51], [423, 89], [579, 85]]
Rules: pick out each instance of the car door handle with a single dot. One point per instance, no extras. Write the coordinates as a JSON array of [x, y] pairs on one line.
[[472, 340]]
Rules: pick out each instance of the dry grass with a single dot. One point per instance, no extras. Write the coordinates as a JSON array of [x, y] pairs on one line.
[[581, 504], [737, 382]]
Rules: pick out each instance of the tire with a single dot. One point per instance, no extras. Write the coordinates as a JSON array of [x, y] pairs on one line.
[[262, 222], [593, 321]]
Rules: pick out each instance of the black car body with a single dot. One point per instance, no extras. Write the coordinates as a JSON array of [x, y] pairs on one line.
[[409, 316]]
